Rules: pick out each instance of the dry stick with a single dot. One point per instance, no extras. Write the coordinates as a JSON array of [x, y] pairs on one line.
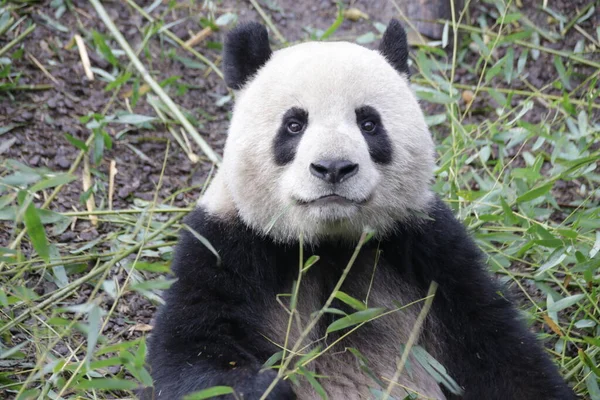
[[412, 338], [42, 68], [85, 59], [17, 40], [65, 291], [268, 21], [198, 37], [210, 153], [112, 172]]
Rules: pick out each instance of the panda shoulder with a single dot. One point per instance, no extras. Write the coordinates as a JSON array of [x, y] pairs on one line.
[[206, 240]]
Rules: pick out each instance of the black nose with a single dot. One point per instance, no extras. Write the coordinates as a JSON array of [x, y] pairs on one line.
[[333, 171]]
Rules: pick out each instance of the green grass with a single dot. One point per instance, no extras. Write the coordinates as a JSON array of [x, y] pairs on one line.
[[528, 191]]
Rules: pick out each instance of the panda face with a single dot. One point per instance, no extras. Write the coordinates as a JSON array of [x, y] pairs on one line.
[[327, 139]]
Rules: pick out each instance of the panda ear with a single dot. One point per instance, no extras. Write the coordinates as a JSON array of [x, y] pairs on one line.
[[394, 47], [246, 50]]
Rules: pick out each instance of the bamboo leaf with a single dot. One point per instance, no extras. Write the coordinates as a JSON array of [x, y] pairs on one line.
[[209, 393], [36, 231], [354, 319], [351, 301]]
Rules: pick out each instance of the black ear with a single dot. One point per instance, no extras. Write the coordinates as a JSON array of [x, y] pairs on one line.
[[246, 50], [394, 46]]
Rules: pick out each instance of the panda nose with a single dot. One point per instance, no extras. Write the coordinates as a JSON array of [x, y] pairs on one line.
[[333, 171]]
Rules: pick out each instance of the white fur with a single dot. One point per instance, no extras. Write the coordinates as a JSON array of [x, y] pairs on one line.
[[330, 81]]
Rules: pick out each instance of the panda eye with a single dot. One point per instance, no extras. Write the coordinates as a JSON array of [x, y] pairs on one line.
[[368, 126], [294, 127]]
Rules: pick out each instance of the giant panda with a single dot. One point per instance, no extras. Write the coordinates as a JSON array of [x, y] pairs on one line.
[[328, 147]]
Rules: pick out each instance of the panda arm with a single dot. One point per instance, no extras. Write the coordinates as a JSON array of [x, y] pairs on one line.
[[482, 342], [207, 334]]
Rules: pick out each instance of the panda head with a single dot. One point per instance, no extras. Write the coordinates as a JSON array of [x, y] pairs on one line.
[[326, 139]]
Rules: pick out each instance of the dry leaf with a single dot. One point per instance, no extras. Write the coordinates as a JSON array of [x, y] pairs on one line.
[[354, 14], [555, 328], [468, 96]]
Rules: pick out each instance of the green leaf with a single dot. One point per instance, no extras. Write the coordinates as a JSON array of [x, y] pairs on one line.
[[8, 127], [313, 382], [436, 370], [98, 146], [122, 79], [205, 242], [366, 38], [336, 24], [93, 332], [557, 257], [152, 267], [209, 393], [436, 97], [312, 260], [273, 359], [565, 303], [562, 72], [36, 231], [354, 319], [57, 180], [80, 144], [351, 301], [535, 193], [134, 119], [104, 49], [107, 384], [155, 284]]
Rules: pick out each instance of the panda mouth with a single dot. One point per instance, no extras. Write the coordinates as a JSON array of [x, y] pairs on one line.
[[330, 199]]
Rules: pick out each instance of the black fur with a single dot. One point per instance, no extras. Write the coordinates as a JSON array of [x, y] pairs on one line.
[[208, 332], [394, 46], [285, 143], [378, 141], [246, 50]]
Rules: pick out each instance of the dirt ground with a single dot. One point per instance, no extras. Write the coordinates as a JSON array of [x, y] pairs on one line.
[[45, 116]]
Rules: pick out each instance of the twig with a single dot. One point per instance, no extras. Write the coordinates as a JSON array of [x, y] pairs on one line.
[[42, 68], [112, 172], [210, 153], [198, 37], [85, 59], [268, 21]]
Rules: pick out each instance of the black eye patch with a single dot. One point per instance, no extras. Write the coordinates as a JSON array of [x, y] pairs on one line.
[[370, 124], [293, 125]]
